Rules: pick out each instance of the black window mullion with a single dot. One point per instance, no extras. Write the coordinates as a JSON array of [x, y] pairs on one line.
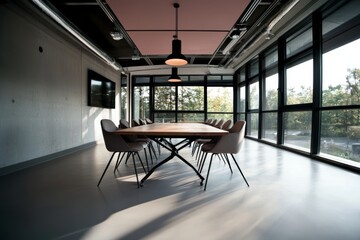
[[281, 90], [317, 83]]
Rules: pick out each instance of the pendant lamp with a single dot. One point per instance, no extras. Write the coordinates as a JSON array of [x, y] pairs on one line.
[[176, 58], [174, 75]]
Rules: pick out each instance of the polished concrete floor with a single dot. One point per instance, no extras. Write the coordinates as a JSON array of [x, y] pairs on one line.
[[290, 197]]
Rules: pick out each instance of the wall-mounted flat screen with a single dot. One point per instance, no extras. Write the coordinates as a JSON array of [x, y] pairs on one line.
[[101, 91]]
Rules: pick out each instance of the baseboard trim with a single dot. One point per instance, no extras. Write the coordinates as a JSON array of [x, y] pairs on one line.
[[36, 161]]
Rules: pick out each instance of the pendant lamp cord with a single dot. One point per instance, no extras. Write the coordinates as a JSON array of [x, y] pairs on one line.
[[176, 6]]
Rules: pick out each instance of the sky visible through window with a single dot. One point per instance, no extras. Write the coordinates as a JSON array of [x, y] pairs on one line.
[[335, 67], [337, 62]]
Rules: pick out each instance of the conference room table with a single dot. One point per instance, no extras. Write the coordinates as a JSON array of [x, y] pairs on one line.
[[162, 133]]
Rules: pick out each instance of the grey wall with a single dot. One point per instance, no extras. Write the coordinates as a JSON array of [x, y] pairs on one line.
[[43, 95]]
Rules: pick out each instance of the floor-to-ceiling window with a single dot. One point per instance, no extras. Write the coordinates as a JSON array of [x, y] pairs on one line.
[[141, 98], [309, 86], [298, 86], [253, 98], [123, 97], [241, 94], [270, 96], [340, 105], [220, 99]]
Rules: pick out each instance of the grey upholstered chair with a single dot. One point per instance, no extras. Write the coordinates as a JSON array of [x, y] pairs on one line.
[[116, 144], [125, 124], [228, 144]]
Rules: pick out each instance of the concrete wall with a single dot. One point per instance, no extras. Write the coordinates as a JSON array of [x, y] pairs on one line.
[[43, 94]]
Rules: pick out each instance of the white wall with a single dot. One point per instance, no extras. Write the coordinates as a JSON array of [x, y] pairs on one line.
[[43, 96]]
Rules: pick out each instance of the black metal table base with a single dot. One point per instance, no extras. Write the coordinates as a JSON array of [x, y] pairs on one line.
[[174, 149]]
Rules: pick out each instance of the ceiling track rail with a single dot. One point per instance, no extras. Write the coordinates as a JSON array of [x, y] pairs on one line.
[[253, 28], [242, 20]]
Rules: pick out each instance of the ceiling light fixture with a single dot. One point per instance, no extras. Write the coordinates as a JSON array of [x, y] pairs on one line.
[[234, 41], [135, 56], [116, 35], [235, 34], [176, 58], [174, 75]]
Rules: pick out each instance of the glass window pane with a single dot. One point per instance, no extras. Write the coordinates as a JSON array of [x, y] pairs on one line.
[[214, 78], [254, 68], [341, 75], [296, 44], [164, 117], [340, 134], [342, 15], [297, 129], [228, 78], [191, 117], [299, 83], [123, 97], [253, 125], [242, 75], [254, 96], [270, 126], [142, 80], [271, 91], [184, 78], [164, 98], [242, 99], [242, 117], [220, 99], [271, 59], [123, 102], [141, 102], [190, 98], [197, 78], [161, 79]]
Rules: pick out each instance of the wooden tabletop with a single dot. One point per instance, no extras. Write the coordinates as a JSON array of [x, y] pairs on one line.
[[173, 130]]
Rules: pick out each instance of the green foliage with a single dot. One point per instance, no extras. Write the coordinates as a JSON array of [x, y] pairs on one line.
[[354, 132], [336, 123], [220, 99], [164, 98]]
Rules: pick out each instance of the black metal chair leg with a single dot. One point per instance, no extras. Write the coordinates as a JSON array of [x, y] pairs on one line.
[[240, 170], [146, 159], [207, 176], [118, 162], [137, 178], [140, 161], [106, 168]]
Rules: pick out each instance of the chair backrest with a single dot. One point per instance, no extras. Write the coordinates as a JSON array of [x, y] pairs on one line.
[[142, 121], [231, 143], [148, 121], [208, 121], [136, 122], [213, 122], [226, 125], [113, 143], [124, 123], [219, 123], [128, 138]]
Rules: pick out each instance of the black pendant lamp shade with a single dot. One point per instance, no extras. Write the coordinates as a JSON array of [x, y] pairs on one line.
[[174, 75], [176, 58]]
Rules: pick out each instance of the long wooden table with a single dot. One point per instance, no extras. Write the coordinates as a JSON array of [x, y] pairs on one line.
[[160, 131]]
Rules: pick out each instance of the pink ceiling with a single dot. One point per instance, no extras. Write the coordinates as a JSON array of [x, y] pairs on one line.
[[203, 24]]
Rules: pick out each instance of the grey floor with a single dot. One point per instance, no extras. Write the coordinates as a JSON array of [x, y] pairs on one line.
[[290, 197]]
